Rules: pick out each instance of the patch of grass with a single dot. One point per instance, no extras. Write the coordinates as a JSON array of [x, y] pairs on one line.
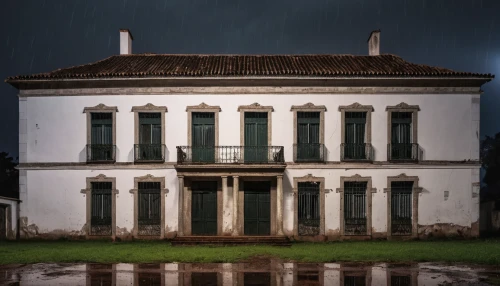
[[463, 251]]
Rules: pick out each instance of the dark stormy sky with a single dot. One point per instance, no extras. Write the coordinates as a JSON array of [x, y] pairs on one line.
[[39, 36]]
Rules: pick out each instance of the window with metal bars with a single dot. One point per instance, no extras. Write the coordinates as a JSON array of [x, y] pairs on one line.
[[401, 208], [308, 141], [308, 208], [355, 135], [149, 217], [101, 208], [355, 208]]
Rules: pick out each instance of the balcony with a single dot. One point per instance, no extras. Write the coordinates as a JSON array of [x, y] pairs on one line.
[[101, 153], [149, 153], [230, 155], [309, 152], [356, 152], [403, 152]]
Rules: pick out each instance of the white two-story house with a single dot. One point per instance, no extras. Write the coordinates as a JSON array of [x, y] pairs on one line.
[[317, 147]]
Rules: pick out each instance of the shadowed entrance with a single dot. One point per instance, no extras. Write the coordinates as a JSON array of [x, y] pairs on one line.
[[204, 208], [257, 208]]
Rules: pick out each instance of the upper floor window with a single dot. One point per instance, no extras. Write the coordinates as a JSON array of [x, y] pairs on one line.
[[308, 136], [402, 133], [356, 132], [101, 133], [203, 137], [308, 133], [149, 142]]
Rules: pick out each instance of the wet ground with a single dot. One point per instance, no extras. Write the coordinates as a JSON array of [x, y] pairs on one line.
[[255, 272]]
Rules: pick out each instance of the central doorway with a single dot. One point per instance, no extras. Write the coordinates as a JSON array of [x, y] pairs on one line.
[[204, 208], [257, 208]]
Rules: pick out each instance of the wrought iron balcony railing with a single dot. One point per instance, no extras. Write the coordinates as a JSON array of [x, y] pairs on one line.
[[309, 152], [230, 155], [356, 152], [149, 152], [403, 152], [101, 153]]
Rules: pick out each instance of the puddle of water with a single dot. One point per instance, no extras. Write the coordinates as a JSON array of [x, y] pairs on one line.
[[265, 272]]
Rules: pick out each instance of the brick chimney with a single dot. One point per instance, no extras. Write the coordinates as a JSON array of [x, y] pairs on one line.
[[125, 42], [374, 43]]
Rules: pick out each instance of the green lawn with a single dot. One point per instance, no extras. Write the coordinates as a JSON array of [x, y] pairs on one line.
[[471, 251]]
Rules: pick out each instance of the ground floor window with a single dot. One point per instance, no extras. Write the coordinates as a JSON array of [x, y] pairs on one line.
[[355, 208], [308, 208], [401, 207], [149, 219], [101, 206]]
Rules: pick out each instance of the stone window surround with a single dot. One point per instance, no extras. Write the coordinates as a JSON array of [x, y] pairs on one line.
[[203, 107], [310, 107], [403, 107], [369, 191], [87, 192], [255, 107], [100, 108], [357, 107], [149, 108], [414, 200], [135, 192], [309, 178], [185, 212]]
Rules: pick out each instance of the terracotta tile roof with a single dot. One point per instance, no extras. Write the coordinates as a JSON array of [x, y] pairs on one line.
[[160, 65]]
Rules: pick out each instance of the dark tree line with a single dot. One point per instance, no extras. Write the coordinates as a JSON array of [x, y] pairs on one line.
[[9, 176]]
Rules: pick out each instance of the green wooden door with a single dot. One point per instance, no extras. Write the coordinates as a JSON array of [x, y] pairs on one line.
[[256, 149], [203, 137], [257, 210], [204, 210]]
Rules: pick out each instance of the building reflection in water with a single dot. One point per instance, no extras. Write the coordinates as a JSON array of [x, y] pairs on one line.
[[267, 272]]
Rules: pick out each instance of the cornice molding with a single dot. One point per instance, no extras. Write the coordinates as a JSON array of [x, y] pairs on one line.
[[308, 107], [149, 107], [356, 106], [403, 106], [255, 106], [203, 107], [100, 107]]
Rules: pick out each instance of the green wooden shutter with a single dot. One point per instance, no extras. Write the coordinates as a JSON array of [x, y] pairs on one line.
[[355, 125], [101, 136], [256, 148], [203, 137], [401, 137], [308, 147]]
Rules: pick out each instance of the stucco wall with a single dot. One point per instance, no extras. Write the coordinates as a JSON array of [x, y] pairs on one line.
[[55, 202], [56, 126]]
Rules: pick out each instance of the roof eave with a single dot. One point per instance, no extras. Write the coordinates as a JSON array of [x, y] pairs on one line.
[[241, 81]]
